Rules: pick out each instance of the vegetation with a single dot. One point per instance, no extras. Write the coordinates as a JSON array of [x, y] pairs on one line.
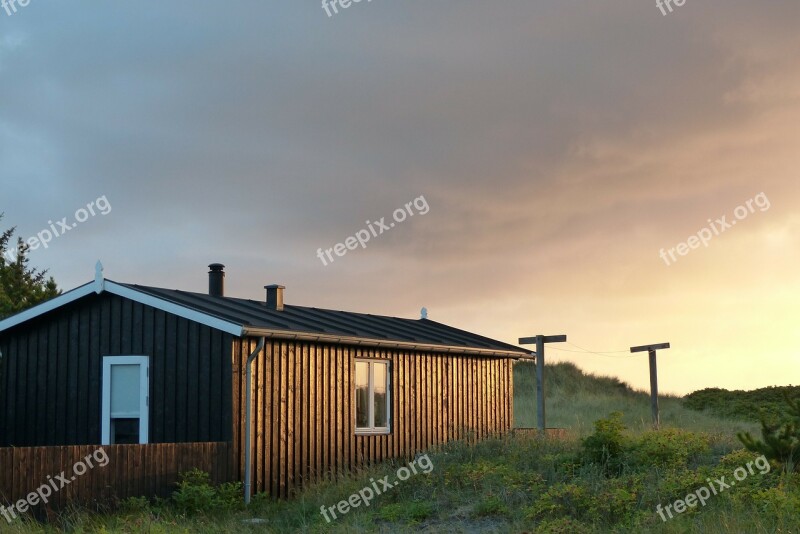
[[764, 403], [196, 495], [21, 286], [608, 475], [781, 442], [575, 400]]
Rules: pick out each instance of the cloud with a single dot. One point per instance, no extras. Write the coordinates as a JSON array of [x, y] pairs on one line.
[[560, 146]]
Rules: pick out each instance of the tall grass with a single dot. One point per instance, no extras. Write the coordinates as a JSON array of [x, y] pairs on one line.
[[574, 400]]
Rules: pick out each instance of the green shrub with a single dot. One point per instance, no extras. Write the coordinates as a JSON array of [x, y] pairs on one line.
[[407, 512], [134, 505], [617, 500], [570, 500], [736, 458], [669, 448], [491, 505], [564, 525], [492, 474], [776, 502], [606, 446], [676, 484], [196, 495], [230, 496], [764, 403]]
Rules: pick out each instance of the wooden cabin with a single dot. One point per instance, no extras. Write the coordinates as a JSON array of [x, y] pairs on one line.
[[113, 363]]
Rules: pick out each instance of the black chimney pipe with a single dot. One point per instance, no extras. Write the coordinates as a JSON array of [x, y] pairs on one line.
[[216, 280], [275, 297]]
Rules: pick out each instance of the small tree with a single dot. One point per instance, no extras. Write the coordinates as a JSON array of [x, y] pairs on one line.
[[781, 440], [21, 286]]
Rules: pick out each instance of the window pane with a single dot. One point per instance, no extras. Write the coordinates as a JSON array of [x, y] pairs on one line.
[[124, 431], [125, 391], [380, 375], [362, 395]]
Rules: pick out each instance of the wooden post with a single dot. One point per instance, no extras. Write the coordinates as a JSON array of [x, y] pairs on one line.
[[651, 351], [540, 383], [540, 340], [654, 388]]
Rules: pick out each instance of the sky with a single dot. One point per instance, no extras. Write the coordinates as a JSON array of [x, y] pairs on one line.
[[550, 162]]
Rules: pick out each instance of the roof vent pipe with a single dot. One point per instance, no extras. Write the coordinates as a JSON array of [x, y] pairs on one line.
[[216, 280], [275, 297]]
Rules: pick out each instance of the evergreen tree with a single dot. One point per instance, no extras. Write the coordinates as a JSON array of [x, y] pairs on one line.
[[21, 286], [781, 440]]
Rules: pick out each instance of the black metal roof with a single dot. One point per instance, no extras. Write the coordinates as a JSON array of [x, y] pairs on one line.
[[301, 319]]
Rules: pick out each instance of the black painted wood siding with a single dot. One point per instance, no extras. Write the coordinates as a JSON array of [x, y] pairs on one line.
[[51, 374]]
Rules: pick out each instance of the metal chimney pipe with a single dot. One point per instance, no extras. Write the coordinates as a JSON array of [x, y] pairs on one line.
[[216, 280]]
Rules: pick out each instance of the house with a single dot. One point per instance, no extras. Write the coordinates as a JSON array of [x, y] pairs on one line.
[[119, 364]]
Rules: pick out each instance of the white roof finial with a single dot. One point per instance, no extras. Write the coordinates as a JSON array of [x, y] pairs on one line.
[[423, 313], [99, 279]]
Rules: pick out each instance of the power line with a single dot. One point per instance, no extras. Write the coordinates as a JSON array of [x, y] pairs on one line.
[[606, 354], [599, 351], [612, 356]]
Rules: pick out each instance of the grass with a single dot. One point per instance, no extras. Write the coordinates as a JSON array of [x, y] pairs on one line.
[[574, 400], [524, 484]]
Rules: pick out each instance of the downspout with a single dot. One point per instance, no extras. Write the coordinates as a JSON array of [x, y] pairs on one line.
[[247, 422]]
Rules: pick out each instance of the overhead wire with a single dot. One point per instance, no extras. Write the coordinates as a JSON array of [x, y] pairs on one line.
[[606, 354]]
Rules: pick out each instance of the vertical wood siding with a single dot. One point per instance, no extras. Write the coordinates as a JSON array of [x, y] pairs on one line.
[[130, 471], [303, 424], [51, 374]]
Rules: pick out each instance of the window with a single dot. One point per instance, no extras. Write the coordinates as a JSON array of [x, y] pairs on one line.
[[126, 386], [372, 397]]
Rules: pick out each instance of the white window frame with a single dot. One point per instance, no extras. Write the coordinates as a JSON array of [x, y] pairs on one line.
[[144, 395], [372, 429]]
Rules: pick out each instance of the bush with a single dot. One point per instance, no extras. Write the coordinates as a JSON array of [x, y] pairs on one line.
[[196, 495], [606, 446], [134, 505], [764, 403], [776, 502], [669, 448], [564, 525], [570, 500], [408, 512], [605, 501], [616, 502], [492, 505]]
